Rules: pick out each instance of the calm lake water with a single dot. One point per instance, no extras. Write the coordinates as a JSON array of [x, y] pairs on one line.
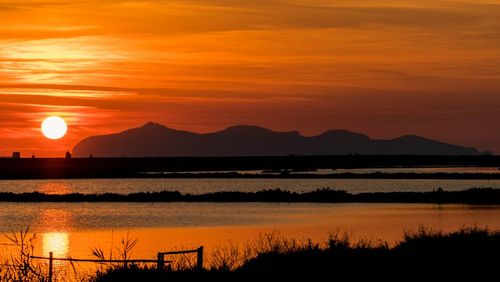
[[73, 229], [212, 185]]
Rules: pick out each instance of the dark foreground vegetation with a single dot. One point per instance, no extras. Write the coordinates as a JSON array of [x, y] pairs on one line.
[[424, 256], [483, 196], [469, 254]]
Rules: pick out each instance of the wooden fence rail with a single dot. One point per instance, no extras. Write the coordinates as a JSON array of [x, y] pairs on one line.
[[199, 260], [160, 261], [97, 260]]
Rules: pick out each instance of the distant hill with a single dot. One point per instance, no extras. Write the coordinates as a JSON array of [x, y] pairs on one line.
[[156, 140]]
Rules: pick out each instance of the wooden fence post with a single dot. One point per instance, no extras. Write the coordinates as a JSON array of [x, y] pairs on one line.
[[50, 266], [160, 262], [199, 262]]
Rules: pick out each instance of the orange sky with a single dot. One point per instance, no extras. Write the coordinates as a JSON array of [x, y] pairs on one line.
[[384, 68]]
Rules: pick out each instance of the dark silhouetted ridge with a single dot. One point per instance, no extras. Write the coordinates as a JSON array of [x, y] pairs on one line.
[[156, 140]]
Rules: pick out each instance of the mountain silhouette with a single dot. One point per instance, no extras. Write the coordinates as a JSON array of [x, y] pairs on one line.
[[156, 140]]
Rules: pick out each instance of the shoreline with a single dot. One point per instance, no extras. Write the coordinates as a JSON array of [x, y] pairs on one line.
[[473, 196], [195, 167], [240, 175]]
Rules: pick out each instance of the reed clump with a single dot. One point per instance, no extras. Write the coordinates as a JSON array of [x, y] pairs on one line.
[[423, 254]]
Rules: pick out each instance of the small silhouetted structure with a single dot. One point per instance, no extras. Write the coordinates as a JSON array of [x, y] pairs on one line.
[[16, 155], [33, 156], [91, 156], [68, 155], [160, 261]]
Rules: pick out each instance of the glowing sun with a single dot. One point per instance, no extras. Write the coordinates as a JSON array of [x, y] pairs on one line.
[[54, 127]]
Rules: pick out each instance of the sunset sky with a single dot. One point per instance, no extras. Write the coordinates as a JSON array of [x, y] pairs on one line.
[[383, 68]]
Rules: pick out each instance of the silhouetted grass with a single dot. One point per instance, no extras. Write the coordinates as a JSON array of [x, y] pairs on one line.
[[424, 255], [485, 196], [19, 266]]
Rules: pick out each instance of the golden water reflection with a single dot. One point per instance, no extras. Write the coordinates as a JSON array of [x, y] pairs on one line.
[[55, 220], [56, 242], [56, 224], [54, 188]]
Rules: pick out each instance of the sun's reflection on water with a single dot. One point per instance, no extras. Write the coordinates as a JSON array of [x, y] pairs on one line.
[[56, 242], [56, 224], [54, 188]]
